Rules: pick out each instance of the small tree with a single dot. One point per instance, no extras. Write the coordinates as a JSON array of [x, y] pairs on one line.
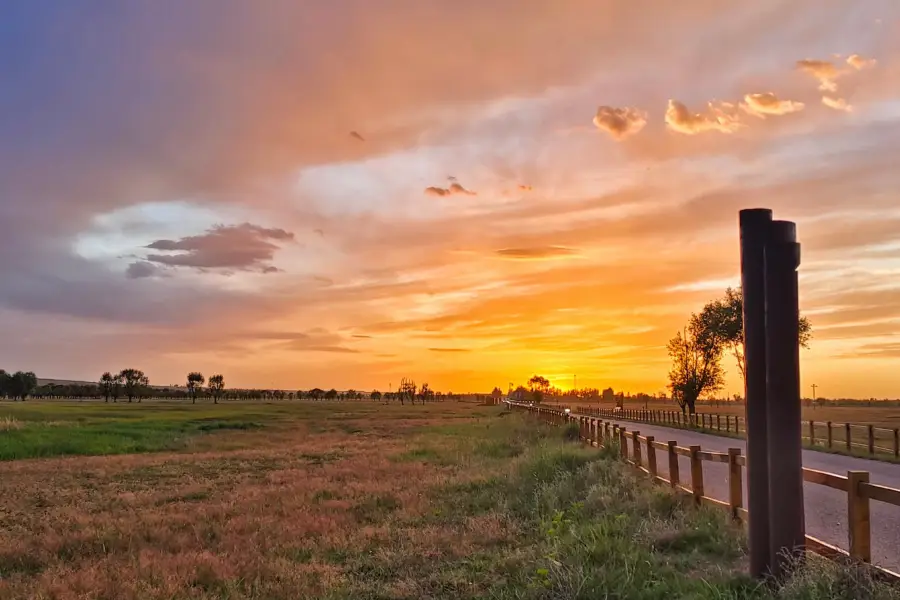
[[426, 394], [406, 391], [696, 366], [539, 386], [331, 394], [195, 381], [133, 382], [216, 387], [118, 382], [497, 393], [375, 395], [107, 382]]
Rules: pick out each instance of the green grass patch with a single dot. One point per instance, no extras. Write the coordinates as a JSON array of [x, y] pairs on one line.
[[41, 439]]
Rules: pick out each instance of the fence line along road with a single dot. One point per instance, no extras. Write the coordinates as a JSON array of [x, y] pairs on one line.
[[818, 434], [595, 431]]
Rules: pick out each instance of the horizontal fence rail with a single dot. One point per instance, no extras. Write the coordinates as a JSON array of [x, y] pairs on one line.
[[641, 451], [852, 438]]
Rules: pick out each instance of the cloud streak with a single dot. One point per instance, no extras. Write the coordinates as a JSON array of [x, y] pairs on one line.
[[536, 253]]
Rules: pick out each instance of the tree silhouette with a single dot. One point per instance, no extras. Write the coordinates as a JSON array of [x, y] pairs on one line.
[[426, 394], [118, 382], [20, 384], [107, 382], [216, 386], [331, 394], [696, 365], [539, 387], [134, 381], [375, 395], [406, 391], [195, 381], [722, 320], [4, 383]]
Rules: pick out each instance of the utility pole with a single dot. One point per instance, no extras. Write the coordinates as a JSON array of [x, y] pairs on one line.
[[814, 386], [574, 382]]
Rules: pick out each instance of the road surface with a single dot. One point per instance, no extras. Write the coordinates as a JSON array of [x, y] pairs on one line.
[[826, 508]]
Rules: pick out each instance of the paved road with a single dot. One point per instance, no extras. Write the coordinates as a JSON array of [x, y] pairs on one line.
[[826, 508]]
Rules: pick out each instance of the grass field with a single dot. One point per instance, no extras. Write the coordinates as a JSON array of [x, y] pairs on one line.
[[352, 500]]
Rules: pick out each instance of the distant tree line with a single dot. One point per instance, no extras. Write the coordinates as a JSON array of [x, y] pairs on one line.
[[133, 385]]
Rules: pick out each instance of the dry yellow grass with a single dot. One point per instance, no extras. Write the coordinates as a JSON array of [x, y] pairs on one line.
[[280, 518]]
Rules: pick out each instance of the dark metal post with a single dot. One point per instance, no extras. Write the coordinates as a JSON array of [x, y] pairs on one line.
[[754, 225], [787, 530]]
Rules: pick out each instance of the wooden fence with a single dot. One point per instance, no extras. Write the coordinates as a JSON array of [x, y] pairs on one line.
[[594, 431], [833, 436]]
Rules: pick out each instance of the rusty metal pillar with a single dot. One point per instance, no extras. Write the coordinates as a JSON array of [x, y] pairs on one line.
[[787, 531], [754, 226]]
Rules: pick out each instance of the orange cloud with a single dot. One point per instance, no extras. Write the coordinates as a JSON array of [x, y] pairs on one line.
[[620, 122], [837, 103], [455, 188], [537, 252], [858, 62], [824, 71], [719, 117], [769, 104]]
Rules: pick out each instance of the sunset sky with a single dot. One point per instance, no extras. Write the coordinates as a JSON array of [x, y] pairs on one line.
[[468, 192]]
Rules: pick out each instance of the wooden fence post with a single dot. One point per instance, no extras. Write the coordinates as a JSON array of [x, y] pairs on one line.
[[651, 456], [871, 440], [719, 422], [812, 433], [696, 474], [858, 522], [896, 442], [735, 482], [635, 436], [728, 423], [673, 464], [623, 443], [829, 435], [847, 435]]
